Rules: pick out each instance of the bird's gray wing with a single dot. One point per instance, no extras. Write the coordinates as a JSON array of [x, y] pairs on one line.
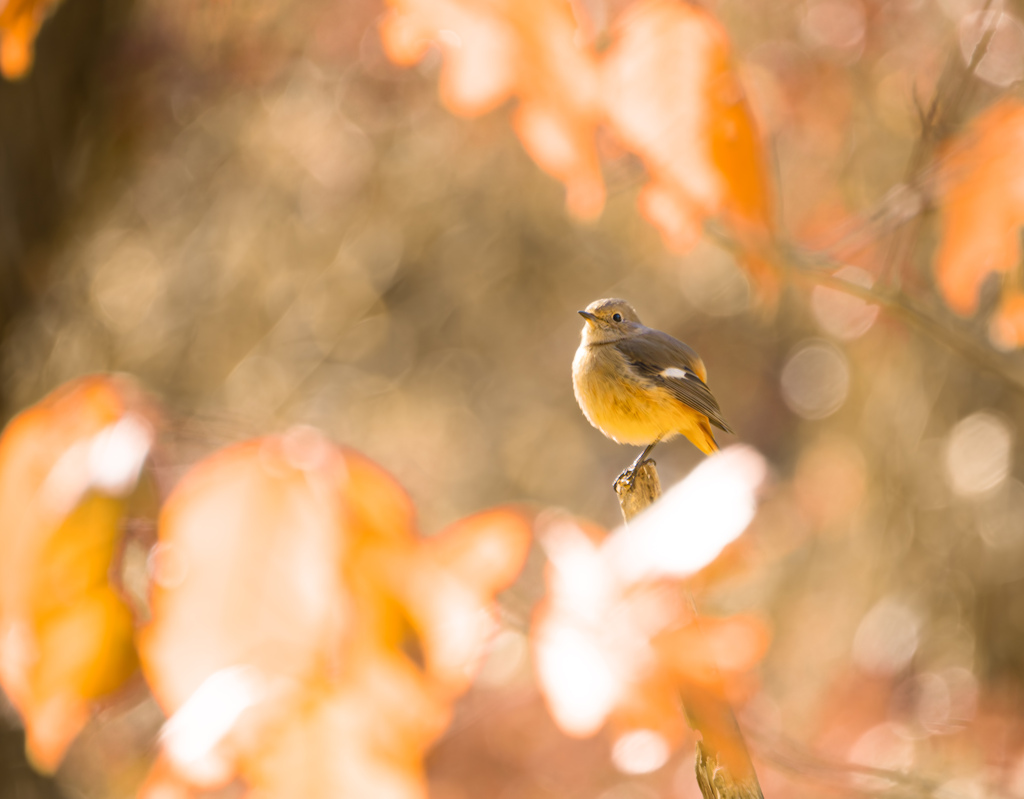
[[669, 363]]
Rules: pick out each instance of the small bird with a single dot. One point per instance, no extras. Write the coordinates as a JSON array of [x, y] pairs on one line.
[[640, 386]]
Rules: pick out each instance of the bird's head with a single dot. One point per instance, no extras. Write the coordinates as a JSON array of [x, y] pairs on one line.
[[609, 320]]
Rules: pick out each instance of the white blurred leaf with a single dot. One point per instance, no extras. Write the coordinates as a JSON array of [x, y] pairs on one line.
[[693, 521]]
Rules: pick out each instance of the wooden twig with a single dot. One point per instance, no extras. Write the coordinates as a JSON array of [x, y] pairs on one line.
[[723, 766]]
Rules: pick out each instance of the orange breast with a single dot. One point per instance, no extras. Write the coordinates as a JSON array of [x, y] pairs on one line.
[[629, 409]]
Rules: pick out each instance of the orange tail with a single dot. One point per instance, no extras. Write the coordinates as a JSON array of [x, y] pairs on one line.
[[705, 441]]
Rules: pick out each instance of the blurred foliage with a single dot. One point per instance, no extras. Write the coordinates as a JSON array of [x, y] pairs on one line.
[[279, 226]]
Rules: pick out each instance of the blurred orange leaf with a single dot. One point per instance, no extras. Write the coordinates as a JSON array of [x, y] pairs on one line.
[[1006, 329], [607, 650], [364, 735], [447, 585], [163, 782], [287, 573], [246, 569], [66, 466], [665, 87], [20, 21], [672, 97], [593, 652], [523, 49], [616, 638], [982, 206], [709, 650]]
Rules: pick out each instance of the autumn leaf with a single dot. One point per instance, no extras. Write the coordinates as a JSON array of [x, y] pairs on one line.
[[363, 735], [617, 641], [289, 573], [163, 782], [20, 21], [718, 499], [67, 465], [447, 584], [1006, 328], [665, 87], [591, 643], [521, 49], [245, 569], [982, 209], [671, 96]]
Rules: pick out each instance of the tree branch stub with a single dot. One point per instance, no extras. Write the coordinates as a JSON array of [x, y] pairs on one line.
[[638, 494]]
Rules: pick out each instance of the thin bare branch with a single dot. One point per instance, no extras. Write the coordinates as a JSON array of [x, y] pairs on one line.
[[942, 117], [818, 269], [868, 781]]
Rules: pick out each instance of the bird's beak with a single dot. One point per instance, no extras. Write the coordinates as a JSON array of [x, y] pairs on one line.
[[588, 316]]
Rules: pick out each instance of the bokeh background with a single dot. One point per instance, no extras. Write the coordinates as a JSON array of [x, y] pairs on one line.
[[246, 206]]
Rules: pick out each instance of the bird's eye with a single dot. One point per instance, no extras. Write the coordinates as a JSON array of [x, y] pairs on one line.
[[616, 317]]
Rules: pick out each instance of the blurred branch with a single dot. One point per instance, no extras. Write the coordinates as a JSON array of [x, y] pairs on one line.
[[723, 766], [818, 268], [942, 116], [803, 762]]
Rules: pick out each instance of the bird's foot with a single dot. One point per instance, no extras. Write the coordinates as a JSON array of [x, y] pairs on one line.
[[628, 477]]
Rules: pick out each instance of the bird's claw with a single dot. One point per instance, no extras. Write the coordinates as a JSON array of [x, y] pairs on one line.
[[628, 477]]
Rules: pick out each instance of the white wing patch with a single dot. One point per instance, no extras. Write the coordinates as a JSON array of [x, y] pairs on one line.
[[673, 371]]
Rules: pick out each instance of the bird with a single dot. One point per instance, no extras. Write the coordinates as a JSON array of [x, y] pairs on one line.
[[640, 386]]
